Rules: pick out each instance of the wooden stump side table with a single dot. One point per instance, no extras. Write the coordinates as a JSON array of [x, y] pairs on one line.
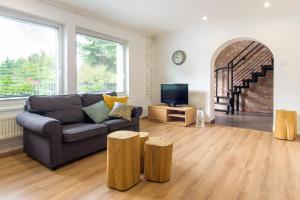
[[286, 125], [123, 160], [144, 136], [158, 159]]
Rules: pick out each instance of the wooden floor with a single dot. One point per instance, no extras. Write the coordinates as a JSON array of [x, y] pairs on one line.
[[212, 163]]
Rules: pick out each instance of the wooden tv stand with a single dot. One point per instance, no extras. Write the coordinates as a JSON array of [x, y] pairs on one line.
[[183, 116]]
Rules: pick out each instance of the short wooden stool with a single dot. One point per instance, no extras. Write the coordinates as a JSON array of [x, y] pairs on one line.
[[144, 136], [158, 159], [286, 125], [123, 160]]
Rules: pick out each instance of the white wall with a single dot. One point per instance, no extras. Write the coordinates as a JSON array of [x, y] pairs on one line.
[[137, 43], [281, 35]]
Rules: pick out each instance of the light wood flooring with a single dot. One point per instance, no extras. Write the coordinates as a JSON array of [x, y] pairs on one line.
[[216, 162]]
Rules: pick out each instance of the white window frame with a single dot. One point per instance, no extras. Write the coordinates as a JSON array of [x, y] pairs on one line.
[[101, 36], [31, 19]]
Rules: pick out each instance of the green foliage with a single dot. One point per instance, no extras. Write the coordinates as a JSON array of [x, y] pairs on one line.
[[97, 52], [26, 76], [98, 69], [92, 79]]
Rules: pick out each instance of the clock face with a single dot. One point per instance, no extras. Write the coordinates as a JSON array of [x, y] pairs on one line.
[[178, 57]]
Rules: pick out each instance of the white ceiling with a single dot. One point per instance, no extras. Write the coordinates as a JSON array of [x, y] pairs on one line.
[[158, 16]]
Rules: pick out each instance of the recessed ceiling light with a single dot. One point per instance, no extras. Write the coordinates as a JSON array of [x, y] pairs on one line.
[[204, 18], [267, 4]]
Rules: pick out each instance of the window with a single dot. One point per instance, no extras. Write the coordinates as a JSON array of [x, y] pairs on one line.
[[28, 58], [100, 65]]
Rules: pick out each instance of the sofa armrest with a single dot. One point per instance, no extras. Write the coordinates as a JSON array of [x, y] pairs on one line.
[[39, 124], [137, 112], [135, 117]]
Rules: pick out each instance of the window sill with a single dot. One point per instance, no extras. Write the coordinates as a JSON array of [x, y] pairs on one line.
[[13, 98], [11, 108], [12, 104]]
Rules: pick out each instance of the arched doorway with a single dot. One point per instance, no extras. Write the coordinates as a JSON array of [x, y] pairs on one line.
[[243, 85]]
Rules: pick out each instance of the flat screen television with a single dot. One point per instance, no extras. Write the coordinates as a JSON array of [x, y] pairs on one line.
[[174, 94]]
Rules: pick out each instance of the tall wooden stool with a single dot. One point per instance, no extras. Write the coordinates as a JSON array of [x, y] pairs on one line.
[[123, 160], [144, 136], [158, 159], [286, 125]]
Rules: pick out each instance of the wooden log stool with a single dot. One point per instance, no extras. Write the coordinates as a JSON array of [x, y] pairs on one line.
[[158, 159], [144, 136], [286, 125], [123, 160]]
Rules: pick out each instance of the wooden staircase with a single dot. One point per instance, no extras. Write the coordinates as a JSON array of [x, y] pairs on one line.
[[245, 68]]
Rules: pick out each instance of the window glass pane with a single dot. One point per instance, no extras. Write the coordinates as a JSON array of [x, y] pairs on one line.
[[100, 65], [28, 59]]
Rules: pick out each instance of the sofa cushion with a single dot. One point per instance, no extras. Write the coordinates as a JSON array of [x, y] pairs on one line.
[[80, 131], [89, 99], [117, 124], [98, 112], [121, 110], [65, 108]]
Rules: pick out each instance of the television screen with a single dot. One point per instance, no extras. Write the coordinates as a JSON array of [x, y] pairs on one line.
[[174, 94]]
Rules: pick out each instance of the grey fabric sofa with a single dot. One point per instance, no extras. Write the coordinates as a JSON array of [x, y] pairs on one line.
[[56, 130]]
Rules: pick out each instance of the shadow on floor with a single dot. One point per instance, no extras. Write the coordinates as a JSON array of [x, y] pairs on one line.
[[256, 121]]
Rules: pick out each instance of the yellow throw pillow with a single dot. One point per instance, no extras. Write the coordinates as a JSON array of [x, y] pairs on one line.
[[110, 100]]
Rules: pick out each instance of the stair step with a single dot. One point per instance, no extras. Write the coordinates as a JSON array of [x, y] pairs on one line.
[[267, 67], [245, 85], [221, 103], [257, 74], [241, 87], [222, 97], [249, 80], [221, 110]]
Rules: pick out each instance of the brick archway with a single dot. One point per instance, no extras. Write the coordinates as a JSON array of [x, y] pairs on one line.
[[252, 78]]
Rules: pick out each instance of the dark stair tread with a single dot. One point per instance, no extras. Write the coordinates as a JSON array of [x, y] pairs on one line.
[[222, 97], [221, 103], [249, 80], [221, 110], [258, 74], [243, 86], [267, 67], [271, 66]]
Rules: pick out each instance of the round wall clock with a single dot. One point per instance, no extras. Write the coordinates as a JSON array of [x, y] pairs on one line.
[[178, 57]]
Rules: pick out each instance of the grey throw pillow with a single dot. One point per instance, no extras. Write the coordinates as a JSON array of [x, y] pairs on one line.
[[121, 110], [98, 112]]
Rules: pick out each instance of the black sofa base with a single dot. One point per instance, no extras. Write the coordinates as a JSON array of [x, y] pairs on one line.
[[39, 148]]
